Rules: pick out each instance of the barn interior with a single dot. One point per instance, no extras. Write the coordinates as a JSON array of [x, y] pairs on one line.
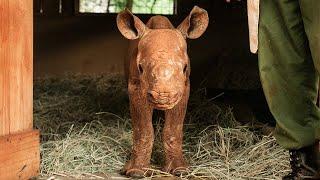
[[68, 41], [78, 74]]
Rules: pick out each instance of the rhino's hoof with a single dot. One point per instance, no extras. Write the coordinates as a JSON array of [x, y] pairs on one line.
[[180, 171], [177, 167], [135, 173]]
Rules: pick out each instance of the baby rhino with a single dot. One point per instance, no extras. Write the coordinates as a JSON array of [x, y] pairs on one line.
[[157, 70]]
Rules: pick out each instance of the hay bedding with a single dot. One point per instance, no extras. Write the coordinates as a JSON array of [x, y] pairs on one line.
[[86, 133]]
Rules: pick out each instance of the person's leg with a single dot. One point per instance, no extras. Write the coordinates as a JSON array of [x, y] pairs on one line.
[[288, 55], [310, 11], [287, 73]]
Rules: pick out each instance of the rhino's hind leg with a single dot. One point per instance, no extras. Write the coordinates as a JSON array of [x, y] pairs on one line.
[[143, 137], [173, 138]]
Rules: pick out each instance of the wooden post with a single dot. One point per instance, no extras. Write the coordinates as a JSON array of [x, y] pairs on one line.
[[19, 143]]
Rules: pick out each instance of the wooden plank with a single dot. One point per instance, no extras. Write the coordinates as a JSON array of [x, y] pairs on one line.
[[23, 171], [16, 37], [25, 153], [13, 143], [22, 161], [12, 148]]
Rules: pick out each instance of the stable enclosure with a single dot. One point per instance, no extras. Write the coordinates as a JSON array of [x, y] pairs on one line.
[[61, 76]]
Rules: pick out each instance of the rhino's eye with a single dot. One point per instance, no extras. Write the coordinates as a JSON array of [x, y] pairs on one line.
[[140, 69], [185, 68]]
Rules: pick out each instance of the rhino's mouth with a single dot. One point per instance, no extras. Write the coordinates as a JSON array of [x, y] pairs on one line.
[[164, 106], [165, 103]]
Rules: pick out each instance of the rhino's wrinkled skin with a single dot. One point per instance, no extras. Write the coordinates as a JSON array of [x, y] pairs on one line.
[[157, 70]]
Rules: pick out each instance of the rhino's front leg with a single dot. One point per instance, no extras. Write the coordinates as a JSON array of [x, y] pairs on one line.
[[173, 137], [143, 136]]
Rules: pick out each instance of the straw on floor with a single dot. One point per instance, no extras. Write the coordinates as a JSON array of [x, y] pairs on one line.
[[86, 131]]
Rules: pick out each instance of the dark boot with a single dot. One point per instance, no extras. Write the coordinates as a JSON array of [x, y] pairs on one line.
[[305, 163]]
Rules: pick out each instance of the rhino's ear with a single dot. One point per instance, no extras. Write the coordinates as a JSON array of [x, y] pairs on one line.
[[129, 25], [195, 24]]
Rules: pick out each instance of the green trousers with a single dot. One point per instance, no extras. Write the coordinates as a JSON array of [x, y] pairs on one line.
[[289, 65]]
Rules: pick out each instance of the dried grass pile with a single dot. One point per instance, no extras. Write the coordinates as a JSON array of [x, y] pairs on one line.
[[86, 131]]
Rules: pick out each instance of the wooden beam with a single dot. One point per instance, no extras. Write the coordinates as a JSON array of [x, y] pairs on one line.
[[16, 67], [20, 155]]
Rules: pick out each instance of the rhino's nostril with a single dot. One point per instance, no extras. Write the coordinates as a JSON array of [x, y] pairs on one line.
[[151, 95]]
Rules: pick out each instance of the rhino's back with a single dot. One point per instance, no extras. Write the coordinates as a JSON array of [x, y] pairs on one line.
[[159, 22]]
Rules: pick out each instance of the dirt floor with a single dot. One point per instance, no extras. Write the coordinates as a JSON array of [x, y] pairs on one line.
[[86, 134]]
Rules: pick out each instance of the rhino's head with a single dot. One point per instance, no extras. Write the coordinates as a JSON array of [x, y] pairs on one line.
[[162, 61]]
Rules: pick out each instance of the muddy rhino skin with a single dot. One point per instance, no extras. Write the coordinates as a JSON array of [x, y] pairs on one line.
[[157, 70]]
